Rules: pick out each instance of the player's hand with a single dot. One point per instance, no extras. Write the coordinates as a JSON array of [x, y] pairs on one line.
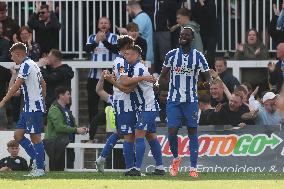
[[271, 66], [149, 78]]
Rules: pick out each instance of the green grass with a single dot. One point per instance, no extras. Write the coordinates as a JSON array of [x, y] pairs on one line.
[[66, 180]]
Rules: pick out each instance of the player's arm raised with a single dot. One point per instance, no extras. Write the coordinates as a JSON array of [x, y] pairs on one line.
[[12, 91]]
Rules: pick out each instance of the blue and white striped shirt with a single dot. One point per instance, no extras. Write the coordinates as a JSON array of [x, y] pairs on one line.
[[184, 74], [143, 95], [101, 53], [31, 88], [122, 101]]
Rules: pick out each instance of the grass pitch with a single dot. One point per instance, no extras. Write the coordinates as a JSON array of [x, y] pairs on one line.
[[67, 180]]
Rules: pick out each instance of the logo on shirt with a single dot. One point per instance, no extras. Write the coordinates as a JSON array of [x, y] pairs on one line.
[[183, 70]]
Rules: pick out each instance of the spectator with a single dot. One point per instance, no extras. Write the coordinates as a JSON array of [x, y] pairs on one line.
[[5, 76], [145, 26], [26, 36], [276, 71], [4, 46], [276, 35], [205, 109], [184, 19], [10, 27], [266, 114], [230, 113], [13, 162], [252, 49], [55, 74], [60, 131], [218, 96], [98, 46], [221, 68], [204, 13], [133, 31], [46, 25]]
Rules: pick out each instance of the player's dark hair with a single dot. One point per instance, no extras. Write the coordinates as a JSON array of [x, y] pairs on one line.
[[61, 90], [135, 48], [56, 53], [124, 41], [19, 46]]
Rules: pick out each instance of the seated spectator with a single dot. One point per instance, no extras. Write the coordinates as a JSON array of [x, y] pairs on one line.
[[276, 71], [13, 162], [55, 74], [184, 19], [276, 35], [26, 36], [225, 75], [46, 25], [230, 113], [4, 46], [60, 131], [252, 49], [218, 96], [205, 109], [268, 114]]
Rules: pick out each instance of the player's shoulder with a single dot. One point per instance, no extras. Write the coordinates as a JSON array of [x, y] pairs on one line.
[[172, 52], [197, 52]]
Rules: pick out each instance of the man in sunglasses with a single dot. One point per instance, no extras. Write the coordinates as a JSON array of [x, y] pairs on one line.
[[46, 25]]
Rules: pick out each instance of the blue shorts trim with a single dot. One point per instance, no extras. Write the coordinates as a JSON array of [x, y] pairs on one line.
[[125, 122], [147, 121], [31, 122], [179, 111]]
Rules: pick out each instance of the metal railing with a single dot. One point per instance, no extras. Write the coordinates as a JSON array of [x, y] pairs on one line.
[[79, 19]]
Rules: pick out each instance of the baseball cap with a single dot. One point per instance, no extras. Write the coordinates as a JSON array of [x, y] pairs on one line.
[[268, 96]]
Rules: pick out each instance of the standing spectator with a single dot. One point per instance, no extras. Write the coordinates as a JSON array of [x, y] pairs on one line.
[[145, 26], [60, 131], [5, 76], [26, 36], [55, 74], [46, 25], [276, 35], [276, 71], [252, 49], [183, 16], [13, 162], [4, 46], [99, 46], [221, 68], [10, 27], [218, 96], [204, 13]]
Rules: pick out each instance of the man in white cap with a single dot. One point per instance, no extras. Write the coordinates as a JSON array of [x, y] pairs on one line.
[[268, 114]]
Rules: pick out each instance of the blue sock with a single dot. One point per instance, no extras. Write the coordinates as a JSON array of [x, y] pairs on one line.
[[128, 153], [39, 149], [28, 146], [140, 150], [193, 147], [156, 151], [111, 142], [173, 139]]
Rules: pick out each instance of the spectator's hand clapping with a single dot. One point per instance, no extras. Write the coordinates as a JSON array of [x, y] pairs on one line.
[[82, 130], [213, 73], [50, 5], [255, 91], [121, 30], [242, 125], [37, 4], [240, 47], [257, 52], [271, 66], [15, 39], [201, 2], [275, 10]]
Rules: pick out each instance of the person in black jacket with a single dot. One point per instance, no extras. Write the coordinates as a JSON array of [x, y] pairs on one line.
[[4, 46], [55, 74], [276, 35], [276, 71], [46, 25], [13, 162], [221, 68]]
